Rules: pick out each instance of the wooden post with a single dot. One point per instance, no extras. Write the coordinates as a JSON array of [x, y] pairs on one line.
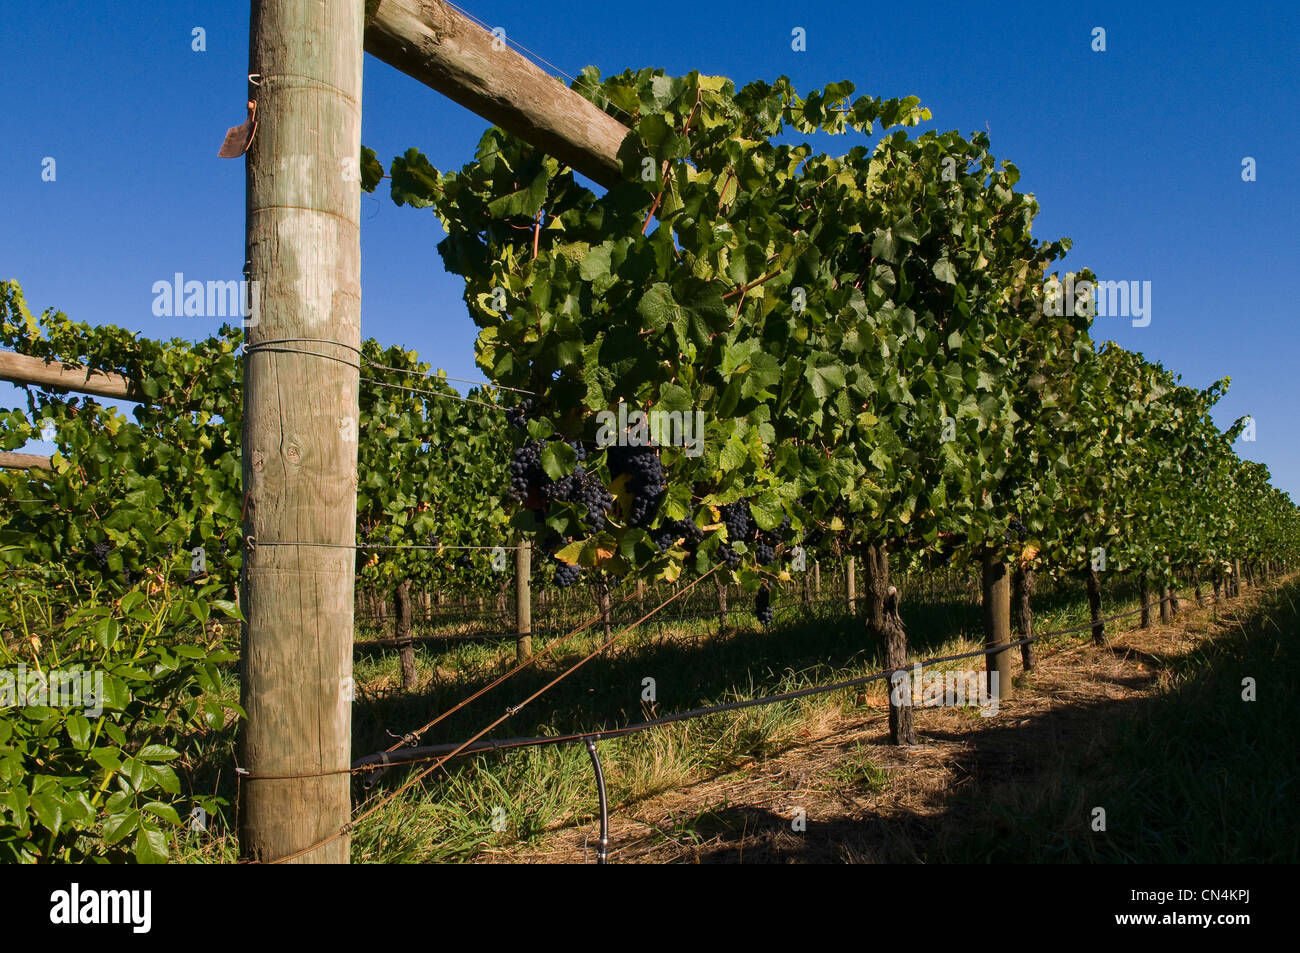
[[300, 427], [1022, 587], [439, 46], [523, 600], [1147, 596], [721, 586], [817, 578], [1094, 607], [851, 584], [405, 649], [602, 603], [997, 623]]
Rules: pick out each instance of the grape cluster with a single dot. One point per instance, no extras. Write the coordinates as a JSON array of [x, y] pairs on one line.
[[100, 552], [579, 449], [566, 575], [729, 556], [1017, 527], [768, 540], [526, 470], [590, 493], [645, 481], [518, 416], [550, 541], [434, 540], [585, 489], [740, 526], [763, 605], [685, 530], [466, 560]]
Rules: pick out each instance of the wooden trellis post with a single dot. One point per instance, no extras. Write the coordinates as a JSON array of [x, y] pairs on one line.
[[997, 623], [300, 427], [523, 600], [850, 584]]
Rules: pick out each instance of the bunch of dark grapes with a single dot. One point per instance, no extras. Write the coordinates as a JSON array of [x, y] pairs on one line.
[[768, 540], [551, 541], [579, 449], [566, 575], [1017, 527], [729, 556], [589, 492], [692, 534], [466, 559], [526, 470], [562, 490], [100, 552], [434, 540], [585, 489], [740, 526], [763, 605], [518, 416], [685, 530], [645, 480]]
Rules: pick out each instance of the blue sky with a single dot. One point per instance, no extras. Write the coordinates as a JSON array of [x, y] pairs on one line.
[[1135, 153]]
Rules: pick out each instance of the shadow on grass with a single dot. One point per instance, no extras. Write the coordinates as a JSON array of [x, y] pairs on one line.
[[1195, 774]]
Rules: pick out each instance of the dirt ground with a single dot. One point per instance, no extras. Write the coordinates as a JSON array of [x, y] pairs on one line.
[[863, 800]]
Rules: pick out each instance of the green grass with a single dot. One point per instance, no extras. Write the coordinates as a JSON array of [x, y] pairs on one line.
[[491, 802]]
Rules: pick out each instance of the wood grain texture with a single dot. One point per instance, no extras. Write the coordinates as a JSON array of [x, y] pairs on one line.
[[22, 369], [25, 461], [997, 622], [445, 50], [300, 426]]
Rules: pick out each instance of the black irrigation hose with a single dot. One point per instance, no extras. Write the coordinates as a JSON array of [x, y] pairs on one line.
[[602, 846], [431, 752]]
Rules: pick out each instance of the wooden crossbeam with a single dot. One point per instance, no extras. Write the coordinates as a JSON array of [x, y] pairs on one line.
[[22, 369], [25, 461], [442, 48]]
